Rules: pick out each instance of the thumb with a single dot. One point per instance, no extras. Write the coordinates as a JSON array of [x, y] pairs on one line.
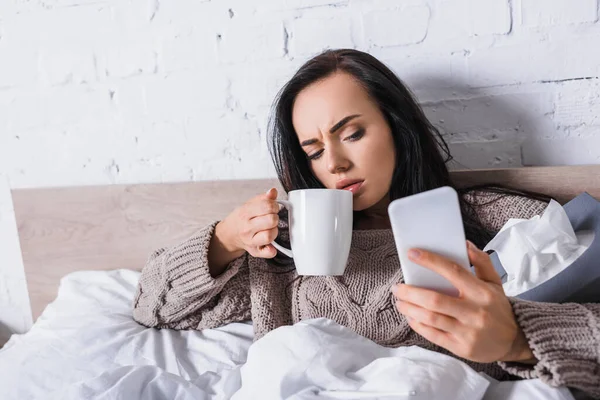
[[484, 269], [271, 194], [267, 251]]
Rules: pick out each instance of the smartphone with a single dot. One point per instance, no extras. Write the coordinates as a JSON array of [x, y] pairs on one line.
[[430, 221]]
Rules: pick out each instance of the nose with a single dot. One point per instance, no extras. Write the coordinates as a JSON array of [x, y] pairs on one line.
[[337, 161]]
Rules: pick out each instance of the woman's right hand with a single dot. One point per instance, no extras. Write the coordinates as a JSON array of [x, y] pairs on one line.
[[253, 226]]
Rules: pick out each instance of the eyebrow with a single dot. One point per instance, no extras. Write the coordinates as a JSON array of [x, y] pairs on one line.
[[333, 129]]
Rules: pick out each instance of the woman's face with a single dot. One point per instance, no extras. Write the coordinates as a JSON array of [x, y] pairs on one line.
[[346, 138]]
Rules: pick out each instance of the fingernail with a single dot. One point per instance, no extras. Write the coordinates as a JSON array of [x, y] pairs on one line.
[[414, 254], [471, 245], [395, 290]]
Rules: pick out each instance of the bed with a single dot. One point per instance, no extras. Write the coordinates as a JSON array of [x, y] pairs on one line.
[[92, 241]]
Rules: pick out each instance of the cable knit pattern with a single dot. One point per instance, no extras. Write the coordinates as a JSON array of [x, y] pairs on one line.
[[565, 338], [177, 291]]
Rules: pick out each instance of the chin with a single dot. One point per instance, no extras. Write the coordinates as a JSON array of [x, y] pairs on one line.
[[366, 200], [360, 203]]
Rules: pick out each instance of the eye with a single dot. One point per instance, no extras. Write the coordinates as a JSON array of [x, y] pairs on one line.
[[356, 135], [316, 155]]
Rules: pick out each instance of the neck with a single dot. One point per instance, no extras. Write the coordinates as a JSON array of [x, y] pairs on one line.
[[375, 217]]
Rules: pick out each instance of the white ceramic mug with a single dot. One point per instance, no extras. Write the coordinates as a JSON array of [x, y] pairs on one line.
[[320, 224]]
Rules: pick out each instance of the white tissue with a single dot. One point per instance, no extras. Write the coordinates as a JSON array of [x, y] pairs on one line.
[[534, 250]]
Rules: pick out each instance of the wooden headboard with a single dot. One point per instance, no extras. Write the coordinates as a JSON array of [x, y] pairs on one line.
[[63, 230]]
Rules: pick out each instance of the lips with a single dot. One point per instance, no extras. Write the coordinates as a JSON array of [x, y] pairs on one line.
[[352, 185]]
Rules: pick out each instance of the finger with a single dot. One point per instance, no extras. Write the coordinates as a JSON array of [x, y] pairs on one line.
[[458, 276], [264, 238], [271, 194], [264, 222], [429, 318], [430, 300], [262, 206], [484, 269], [267, 251], [434, 335]]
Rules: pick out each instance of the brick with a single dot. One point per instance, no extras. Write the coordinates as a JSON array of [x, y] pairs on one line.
[[59, 106], [581, 131], [431, 73], [155, 134], [60, 156], [266, 6], [271, 9], [370, 5], [313, 3], [396, 27], [61, 66], [566, 151], [566, 57], [449, 28], [233, 151], [148, 159], [6, 97], [69, 38], [184, 94], [309, 36], [189, 50], [491, 118], [503, 65], [13, 7], [256, 85], [184, 15], [578, 104], [248, 41], [478, 155], [47, 6], [209, 145], [250, 167], [128, 97], [489, 17], [540, 13], [19, 51], [129, 59], [131, 44], [158, 169]]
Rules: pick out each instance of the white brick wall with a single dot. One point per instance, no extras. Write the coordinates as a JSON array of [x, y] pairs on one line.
[[489, 17], [396, 27], [538, 13], [112, 91]]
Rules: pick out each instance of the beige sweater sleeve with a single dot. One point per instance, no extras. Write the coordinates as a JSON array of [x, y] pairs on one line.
[[176, 289], [565, 338]]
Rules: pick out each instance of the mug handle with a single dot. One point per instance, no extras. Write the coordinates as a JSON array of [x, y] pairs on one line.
[[279, 247]]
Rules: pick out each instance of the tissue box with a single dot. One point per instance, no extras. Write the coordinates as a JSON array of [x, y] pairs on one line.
[[580, 281]]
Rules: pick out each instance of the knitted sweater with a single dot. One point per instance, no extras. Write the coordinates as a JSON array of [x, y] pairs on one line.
[[177, 291]]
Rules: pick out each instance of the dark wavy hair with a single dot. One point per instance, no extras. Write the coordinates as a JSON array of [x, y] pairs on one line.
[[421, 152]]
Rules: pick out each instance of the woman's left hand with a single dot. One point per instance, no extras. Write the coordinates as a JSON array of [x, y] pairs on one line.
[[479, 324]]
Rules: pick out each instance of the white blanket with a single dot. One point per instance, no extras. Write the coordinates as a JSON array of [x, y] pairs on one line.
[[87, 346], [320, 359]]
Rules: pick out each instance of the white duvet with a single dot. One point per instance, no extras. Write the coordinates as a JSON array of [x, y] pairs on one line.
[[87, 346]]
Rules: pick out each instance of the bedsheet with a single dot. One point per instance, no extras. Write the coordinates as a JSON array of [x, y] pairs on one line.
[[86, 345]]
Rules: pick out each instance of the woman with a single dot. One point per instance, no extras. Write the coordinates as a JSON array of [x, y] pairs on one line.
[[346, 121]]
